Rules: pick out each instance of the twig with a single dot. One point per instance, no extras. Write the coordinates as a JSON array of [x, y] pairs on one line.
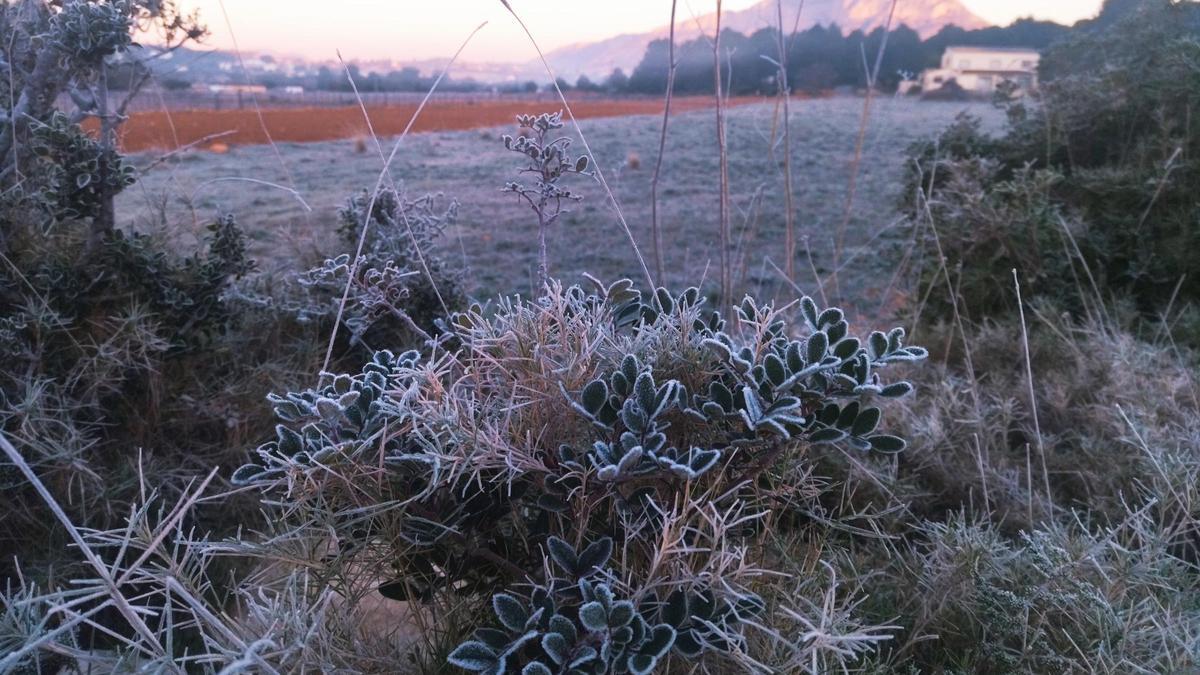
[[1162, 184], [1101, 308], [812, 266], [599, 172], [982, 472], [785, 278]]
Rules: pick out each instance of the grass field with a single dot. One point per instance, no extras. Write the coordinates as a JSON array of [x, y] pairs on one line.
[[495, 236]]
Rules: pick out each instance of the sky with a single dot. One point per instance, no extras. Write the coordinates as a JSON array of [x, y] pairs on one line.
[[421, 29]]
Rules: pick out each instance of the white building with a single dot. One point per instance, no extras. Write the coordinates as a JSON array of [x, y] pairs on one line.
[[978, 70]]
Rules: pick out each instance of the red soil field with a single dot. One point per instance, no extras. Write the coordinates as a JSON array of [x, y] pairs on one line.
[[162, 131]]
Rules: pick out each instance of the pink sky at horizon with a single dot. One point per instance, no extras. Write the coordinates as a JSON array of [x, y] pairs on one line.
[[410, 30]]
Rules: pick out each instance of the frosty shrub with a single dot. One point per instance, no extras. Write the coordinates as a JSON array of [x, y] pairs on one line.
[[49, 170], [606, 469], [93, 347], [398, 283]]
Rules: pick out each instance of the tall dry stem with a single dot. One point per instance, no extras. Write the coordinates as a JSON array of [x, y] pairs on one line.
[[788, 197], [385, 173], [860, 141], [655, 229], [1037, 427], [262, 121], [723, 149]]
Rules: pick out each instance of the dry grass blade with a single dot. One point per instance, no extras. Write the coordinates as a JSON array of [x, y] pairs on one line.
[[859, 143], [403, 211], [1033, 407], [385, 173], [254, 181], [723, 152], [180, 149], [655, 230], [788, 197], [262, 122], [149, 640]]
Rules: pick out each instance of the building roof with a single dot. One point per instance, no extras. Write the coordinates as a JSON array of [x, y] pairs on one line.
[[995, 71], [1014, 50]]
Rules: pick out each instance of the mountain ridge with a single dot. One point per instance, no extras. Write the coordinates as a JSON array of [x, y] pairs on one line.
[[625, 51]]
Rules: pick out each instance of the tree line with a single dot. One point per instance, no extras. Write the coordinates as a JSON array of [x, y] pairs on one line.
[[818, 59]]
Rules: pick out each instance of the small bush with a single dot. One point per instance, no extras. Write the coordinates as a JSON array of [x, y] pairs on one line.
[[552, 430], [399, 282], [113, 353], [1110, 148], [983, 227]]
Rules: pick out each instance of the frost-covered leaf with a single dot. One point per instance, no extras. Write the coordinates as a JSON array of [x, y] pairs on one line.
[[593, 617], [889, 444], [510, 611], [563, 555], [475, 657], [594, 396], [595, 556]]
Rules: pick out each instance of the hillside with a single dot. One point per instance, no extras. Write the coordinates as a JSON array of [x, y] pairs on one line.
[[926, 17]]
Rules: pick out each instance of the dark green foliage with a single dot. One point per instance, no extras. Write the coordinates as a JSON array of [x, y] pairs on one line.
[[79, 173], [785, 391], [1107, 157], [326, 422], [50, 170], [108, 351], [578, 624], [986, 227], [90, 31], [183, 294]]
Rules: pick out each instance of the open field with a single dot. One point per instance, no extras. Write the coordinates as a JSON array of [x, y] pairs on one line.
[[495, 236], [159, 130], [958, 435]]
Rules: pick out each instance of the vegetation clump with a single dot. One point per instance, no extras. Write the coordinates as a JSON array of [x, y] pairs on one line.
[[392, 279], [1090, 189], [548, 431]]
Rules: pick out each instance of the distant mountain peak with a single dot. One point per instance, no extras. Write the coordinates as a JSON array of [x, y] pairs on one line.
[[926, 17]]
